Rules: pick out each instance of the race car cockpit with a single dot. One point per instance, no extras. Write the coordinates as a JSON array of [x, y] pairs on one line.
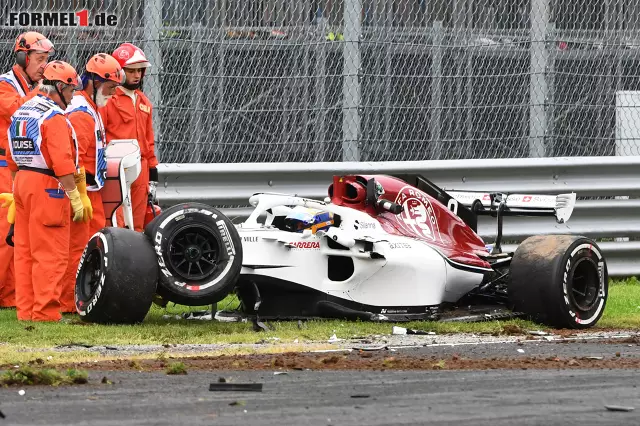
[[301, 218]]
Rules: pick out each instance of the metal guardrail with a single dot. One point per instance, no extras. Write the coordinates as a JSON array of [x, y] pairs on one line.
[[224, 185]]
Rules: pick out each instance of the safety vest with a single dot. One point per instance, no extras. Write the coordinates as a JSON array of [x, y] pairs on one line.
[[11, 78], [79, 103], [24, 133]]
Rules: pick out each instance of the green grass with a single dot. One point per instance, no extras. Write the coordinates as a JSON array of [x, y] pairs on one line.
[[158, 330], [622, 311], [623, 305], [177, 368], [26, 375]]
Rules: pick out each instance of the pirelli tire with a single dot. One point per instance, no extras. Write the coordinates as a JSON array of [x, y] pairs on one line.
[[116, 277], [559, 280], [199, 254]]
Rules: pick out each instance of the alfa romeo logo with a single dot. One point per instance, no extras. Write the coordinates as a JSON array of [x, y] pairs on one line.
[[417, 216]]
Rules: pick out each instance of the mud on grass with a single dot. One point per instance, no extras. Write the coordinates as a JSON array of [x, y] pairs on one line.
[[360, 360]]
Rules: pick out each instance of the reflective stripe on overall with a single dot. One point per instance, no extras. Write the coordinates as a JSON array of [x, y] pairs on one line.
[[79, 103], [11, 78]]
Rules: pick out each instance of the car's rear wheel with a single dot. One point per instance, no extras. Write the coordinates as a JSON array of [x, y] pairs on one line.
[[559, 280], [199, 253]]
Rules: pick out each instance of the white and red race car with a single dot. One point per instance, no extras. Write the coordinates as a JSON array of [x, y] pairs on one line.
[[382, 248]]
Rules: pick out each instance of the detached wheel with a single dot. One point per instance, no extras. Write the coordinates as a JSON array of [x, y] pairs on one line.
[[117, 277], [199, 253], [559, 280]]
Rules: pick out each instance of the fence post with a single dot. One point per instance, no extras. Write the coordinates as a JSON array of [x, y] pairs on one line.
[[388, 51], [537, 77], [351, 83], [436, 90], [152, 26], [196, 94], [221, 83], [321, 144]]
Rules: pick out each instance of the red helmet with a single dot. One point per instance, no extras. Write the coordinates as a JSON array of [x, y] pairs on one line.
[[130, 56], [152, 211]]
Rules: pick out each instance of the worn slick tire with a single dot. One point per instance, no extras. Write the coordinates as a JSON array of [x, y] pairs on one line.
[[559, 280], [116, 278], [200, 237]]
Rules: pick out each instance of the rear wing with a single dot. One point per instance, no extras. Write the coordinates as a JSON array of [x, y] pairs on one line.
[[499, 204]]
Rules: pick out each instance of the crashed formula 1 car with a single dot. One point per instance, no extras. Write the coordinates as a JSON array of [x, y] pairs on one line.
[[381, 248]]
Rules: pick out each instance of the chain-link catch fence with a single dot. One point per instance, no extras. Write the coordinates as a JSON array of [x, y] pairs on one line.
[[368, 80]]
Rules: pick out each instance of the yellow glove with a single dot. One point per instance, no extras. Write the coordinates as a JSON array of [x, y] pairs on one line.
[[81, 183], [7, 199], [76, 205]]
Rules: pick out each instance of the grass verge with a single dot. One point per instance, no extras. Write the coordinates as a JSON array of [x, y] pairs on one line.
[[157, 330], [623, 305], [27, 376], [20, 339]]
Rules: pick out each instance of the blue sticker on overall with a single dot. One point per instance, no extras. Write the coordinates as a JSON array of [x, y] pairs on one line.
[[55, 193]]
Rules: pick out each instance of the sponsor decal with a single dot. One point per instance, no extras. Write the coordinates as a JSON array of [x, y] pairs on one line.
[[602, 293], [161, 264], [42, 107], [102, 243], [599, 302], [158, 248], [250, 239], [394, 246], [226, 237], [305, 244], [469, 197], [394, 311], [364, 225], [418, 216], [540, 201], [564, 286], [23, 145], [527, 200]]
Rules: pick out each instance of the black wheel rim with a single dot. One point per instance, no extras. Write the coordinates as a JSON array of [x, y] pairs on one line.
[[584, 284], [90, 274], [194, 252]]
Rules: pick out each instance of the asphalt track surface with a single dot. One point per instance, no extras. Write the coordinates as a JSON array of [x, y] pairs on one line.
[[553, 396]]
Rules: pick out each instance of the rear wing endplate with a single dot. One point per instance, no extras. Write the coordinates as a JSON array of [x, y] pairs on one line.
[[491, 203]]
